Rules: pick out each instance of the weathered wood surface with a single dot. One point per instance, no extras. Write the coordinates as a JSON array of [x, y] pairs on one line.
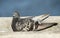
[[6, 31]]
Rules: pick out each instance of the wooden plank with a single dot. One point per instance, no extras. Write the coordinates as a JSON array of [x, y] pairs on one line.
[[53, 32], [5, 22]]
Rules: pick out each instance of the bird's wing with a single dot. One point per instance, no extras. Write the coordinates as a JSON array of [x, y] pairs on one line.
[[44, 26], [41, 17]]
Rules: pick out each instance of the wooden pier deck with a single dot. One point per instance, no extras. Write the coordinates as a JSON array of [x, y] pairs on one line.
[[6, 31]]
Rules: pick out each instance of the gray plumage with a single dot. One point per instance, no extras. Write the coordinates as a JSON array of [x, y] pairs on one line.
[[19, 24], [27, 24]]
